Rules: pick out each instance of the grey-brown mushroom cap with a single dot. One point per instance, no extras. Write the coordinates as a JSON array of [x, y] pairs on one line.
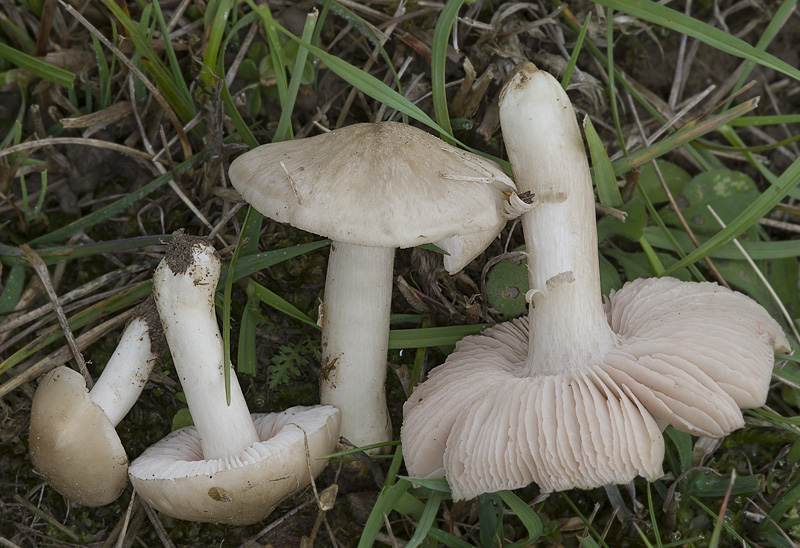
[[241, 489], [381, 185], [485, 426], [72, 444]]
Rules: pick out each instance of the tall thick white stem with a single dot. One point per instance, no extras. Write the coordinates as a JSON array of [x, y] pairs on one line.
[[355, 339], [183, 285], [568, 327], [126, 372]]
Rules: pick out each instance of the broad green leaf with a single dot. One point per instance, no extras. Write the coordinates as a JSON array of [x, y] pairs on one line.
[[728, 192], [750, 216], [506, 285], [632, 227], [674, 176], [609, 277]]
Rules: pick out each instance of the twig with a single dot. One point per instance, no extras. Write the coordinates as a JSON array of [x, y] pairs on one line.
[[41, 269], [131, 504], [760, 276], [47, 517], [157, 525], [61, 355], [74, 295]]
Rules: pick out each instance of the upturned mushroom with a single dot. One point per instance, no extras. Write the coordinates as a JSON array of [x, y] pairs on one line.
[[73, 441], [372, 188], [230, 467], [575, 395]]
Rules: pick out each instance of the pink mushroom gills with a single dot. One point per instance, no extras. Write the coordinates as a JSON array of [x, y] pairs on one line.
[[576, 393], [372, 188], [230, 467], [73, 441]]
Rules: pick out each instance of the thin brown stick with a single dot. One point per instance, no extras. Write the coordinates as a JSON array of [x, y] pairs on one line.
[[673, 204], [97, 143], [62, 355], [41, 269]]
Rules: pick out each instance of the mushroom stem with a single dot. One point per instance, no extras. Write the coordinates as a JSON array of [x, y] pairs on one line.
[[567, 323], [183, 285], [126, 372], [355, 339]]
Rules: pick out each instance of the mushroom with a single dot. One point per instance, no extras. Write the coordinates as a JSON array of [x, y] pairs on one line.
[[372, 188], [230, 467], [576, 393], [73, 441]]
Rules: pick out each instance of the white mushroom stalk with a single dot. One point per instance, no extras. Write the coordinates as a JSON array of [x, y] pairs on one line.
[[129, 367], [73, 443], [184, 284], [372, 188], [230, 467], [576, 393], [355, 337]]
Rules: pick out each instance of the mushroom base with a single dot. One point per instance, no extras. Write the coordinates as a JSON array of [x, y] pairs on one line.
[[240, 489]]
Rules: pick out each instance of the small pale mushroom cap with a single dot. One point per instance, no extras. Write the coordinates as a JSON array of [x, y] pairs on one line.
[[379, 185], [73, 445], [241, 489], [485, 426]]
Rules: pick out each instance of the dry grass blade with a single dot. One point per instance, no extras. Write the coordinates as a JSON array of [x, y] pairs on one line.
[[41, 270], [62, 355], [173, 118]]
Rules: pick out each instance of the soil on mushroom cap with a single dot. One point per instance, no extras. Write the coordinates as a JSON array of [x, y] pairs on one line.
[[179, 253]]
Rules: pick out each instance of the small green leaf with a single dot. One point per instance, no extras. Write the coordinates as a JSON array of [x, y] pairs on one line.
[[632, 227], [182, 418], [674, 176]]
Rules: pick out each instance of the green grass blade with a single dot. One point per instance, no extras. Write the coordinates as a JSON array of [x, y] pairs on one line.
[[782, 14], [12, 290], [275, 47], [714, 37], [747, 218], [573, 58], [277, 302], [526, 514], [432, 336], [441, 35], [36, 67], [426, 520], [681, 137], [112, 209], [253, 263], [387, 498], [367, 83], [246, 362], [284, 130], [177, 75], [612, 89], [218, 24], [604, 178], [82, 318]]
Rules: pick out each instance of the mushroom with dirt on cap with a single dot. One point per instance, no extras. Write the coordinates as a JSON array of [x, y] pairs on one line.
[[372, 188], [230, 467], [73, 441], [576, 393]]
